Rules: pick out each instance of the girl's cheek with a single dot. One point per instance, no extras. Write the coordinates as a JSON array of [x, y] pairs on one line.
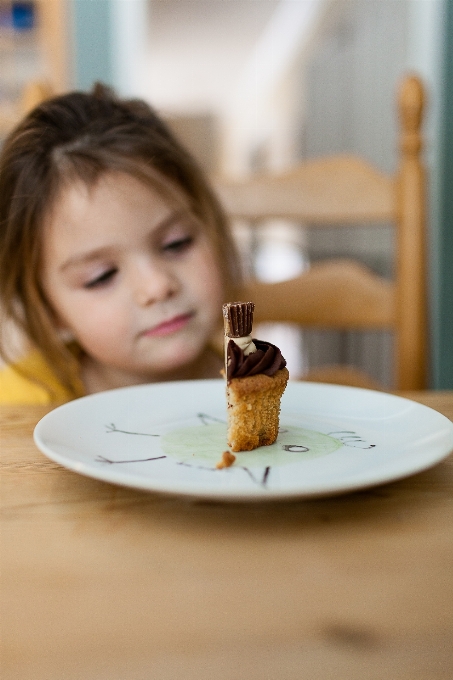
[[89, 315], [207, 264]]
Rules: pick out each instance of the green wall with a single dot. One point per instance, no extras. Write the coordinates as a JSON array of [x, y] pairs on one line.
[[92, 28], [442, 348]]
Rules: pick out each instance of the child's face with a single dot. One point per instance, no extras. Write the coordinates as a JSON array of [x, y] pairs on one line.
[[134, 279]]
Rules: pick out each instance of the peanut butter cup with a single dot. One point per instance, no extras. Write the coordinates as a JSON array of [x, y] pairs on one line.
[[238, 318]]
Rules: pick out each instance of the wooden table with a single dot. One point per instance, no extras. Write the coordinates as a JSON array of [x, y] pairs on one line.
[[105, 583]]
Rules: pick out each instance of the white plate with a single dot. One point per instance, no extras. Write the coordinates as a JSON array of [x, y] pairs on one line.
[[168, 437]]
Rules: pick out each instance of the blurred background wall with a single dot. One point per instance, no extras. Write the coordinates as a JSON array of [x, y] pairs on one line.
[[256, 84]]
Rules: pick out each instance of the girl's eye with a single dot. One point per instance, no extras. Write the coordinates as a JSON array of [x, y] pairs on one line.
[[102, 279], [178, 245]]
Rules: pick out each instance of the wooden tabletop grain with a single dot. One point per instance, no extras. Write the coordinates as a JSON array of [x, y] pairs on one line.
[[100, 582]]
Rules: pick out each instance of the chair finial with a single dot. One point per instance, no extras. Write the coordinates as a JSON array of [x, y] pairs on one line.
[[33, 94], [411, 102]]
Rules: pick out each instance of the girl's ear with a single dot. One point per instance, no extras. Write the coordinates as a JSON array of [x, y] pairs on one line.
[[64, 333]]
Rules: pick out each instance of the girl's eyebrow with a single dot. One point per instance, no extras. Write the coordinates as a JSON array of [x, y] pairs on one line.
[[92, 255], [84, 258]]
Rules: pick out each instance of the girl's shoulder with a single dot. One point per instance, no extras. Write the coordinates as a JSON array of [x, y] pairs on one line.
[[17, 388]]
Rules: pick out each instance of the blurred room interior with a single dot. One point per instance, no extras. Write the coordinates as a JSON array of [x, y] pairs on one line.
[[260, 85]]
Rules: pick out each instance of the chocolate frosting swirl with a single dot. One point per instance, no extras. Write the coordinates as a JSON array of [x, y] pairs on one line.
[[267, 359]]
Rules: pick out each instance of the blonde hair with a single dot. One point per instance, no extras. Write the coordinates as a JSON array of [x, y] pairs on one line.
[[81, 136]]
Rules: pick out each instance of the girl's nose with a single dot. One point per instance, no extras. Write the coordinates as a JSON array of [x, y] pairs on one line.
[[153, 284]]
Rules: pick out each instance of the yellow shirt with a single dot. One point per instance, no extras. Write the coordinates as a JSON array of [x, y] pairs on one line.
[[17, 389]]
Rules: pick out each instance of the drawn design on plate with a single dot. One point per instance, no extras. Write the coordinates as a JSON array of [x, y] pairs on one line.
[[203, 446], [352, 439], [200, 446]]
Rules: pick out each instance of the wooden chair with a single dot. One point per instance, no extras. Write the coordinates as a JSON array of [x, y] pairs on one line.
[[34, 92], [343, 294]]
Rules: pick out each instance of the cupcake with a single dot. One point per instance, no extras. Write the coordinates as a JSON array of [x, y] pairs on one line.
[[256, 377]]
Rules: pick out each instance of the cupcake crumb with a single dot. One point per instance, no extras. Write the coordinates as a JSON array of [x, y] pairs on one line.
[[227, 460]]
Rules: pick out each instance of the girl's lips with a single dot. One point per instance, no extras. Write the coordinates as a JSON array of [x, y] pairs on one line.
[[170, 326]]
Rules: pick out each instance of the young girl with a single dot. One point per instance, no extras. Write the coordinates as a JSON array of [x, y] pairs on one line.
[[115, 256]]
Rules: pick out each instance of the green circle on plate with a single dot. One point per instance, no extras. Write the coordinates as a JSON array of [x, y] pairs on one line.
[[203, 445]]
